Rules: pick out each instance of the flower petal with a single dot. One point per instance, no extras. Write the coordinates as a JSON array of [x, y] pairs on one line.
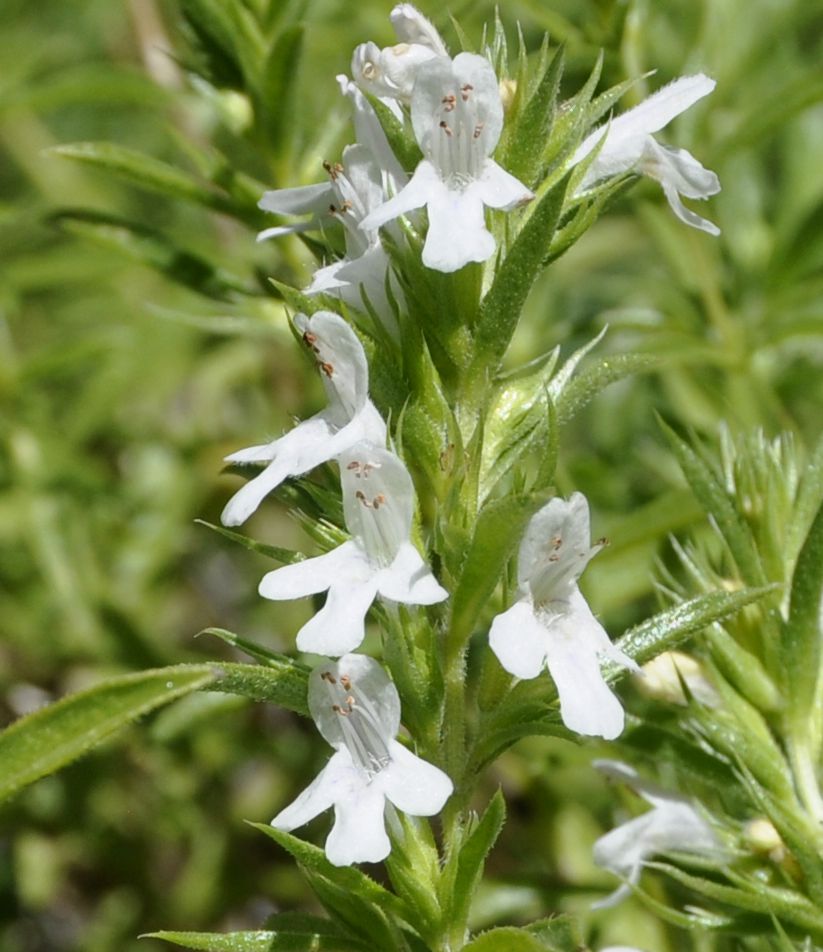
[[409, 580], [372, 689], [587, 705], [296, 452], [519, 640], [628, 131], [302, 200], [686, 215], [500, 189], [378, 500], [556, 547], [340, 625], [336, 779], [414, 785], [457, 232], [359, 831], [414, 195], [412, 27], [313, 575]]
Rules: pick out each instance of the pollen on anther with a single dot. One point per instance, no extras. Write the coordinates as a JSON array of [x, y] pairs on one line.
[[478, 129], [379, 501], [327, 368], [328, 676], [354, 464], [465, 90], [345, 680], [445, 127]]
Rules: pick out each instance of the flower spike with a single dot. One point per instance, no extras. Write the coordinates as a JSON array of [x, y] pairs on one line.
[[552, 626], [628, 146], [349, 417], [357, 710], [380, 559]]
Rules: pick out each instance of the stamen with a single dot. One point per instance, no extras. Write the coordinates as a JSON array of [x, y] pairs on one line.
[[328, 676], [445, 127], [333, 170], [449, 102], [465, 90], [327, 368], [354, 465], [478, 129], [345, 680], [378, 501]]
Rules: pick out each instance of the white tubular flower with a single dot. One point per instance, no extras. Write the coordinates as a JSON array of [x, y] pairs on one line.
[[457, 117], [390, 73], [380, 559], [552, 626], [357, 710], [628, 146], [671, 824], [349, 417]]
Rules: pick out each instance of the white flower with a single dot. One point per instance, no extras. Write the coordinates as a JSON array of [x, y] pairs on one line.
[[628, 146], [671, 824], [349, 417], [380, 559], [457, 117], [357, 710], [551, 624], [360, 183], [390, 73]]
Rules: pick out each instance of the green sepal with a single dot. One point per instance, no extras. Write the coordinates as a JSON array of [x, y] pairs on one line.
[[413, 868], [743, 670], [155, 250], [498, 529], [502, 305], [399, 135], [285, 683], [717, 502], [737, 730], [506, 939], [518, 419], [465, 869], [275, 552], [800, 640], [570, 123], [364, 906], [149, 173], [524, 145], [41, 743], [215, 56]]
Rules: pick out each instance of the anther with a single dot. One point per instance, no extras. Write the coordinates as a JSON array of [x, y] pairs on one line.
[[345, 680], [449, 102], [309, 339], [328, 676], [445, 127], [465, 90], [346, 206], [333, 170], [353, 465], [378, 501], [327, 368], [478, 129]]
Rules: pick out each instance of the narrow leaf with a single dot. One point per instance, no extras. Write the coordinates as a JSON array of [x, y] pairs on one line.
[[260, 941], [48, 739], [283, 682], [283, 556]]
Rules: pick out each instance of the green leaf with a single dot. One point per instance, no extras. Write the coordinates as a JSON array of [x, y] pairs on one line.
[[532, 129], [560, 933], [280, 941], [155, 250], [472, 858], [501, 307], [348, 894], [595, 378], [280, 681], [497, 532], [283, 556], [152, 174], [48, 739], [712, 495], [800, 642], [271, 658], [673, 626], [277, 88], [506, 939]]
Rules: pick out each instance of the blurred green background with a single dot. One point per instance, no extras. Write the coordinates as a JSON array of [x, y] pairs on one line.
[[140, 342]]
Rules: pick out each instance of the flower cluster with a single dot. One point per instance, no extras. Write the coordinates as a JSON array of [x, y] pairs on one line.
[[454, 107]]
